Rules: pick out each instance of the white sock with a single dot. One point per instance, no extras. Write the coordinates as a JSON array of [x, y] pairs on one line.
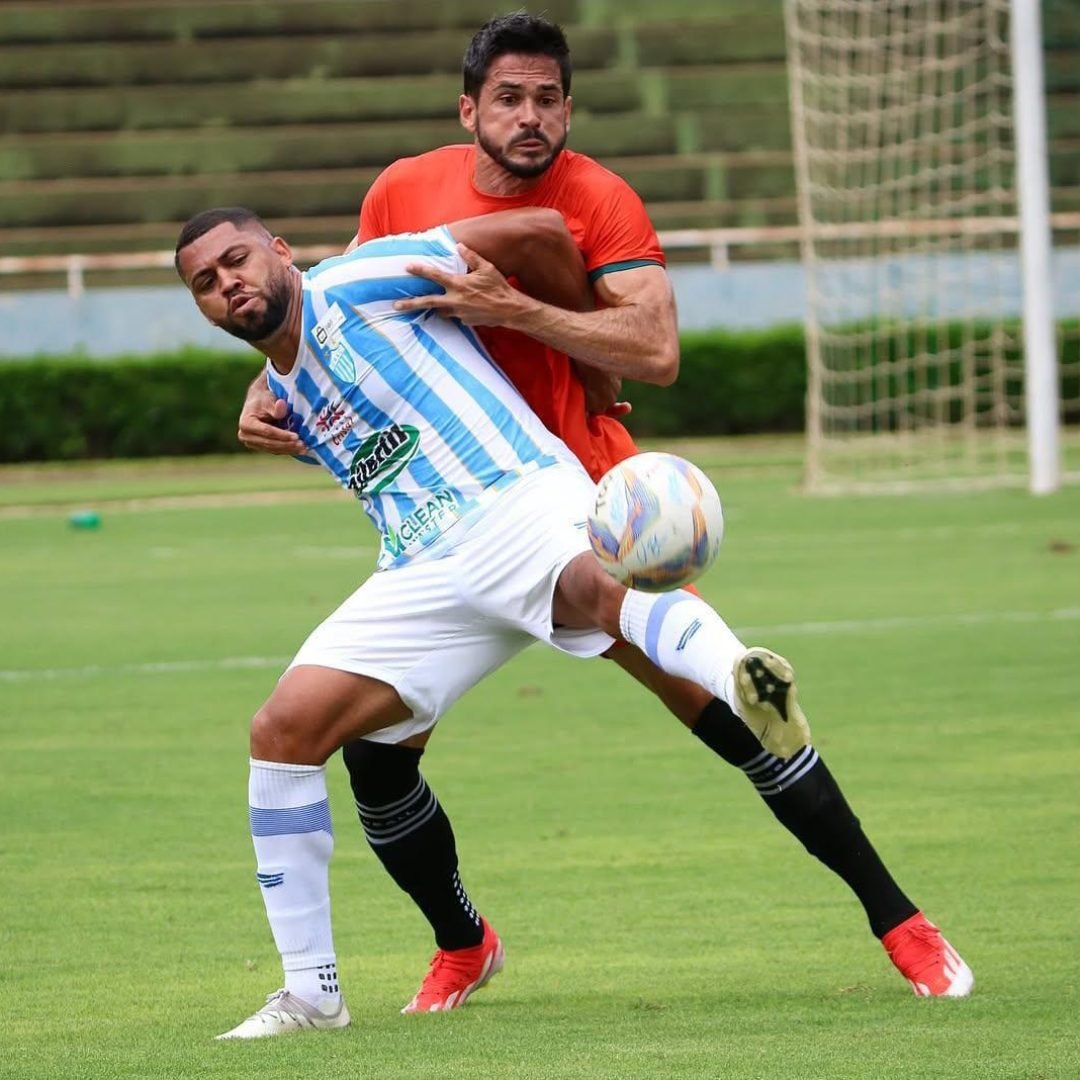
[[290, 827], [682, 635]]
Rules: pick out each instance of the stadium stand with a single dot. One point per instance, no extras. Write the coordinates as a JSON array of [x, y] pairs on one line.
[[120, 118]]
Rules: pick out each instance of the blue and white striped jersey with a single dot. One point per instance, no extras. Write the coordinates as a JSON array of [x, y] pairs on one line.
[[406, 410]]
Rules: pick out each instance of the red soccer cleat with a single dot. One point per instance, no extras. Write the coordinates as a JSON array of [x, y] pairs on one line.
[[455, 973], [927, 960]]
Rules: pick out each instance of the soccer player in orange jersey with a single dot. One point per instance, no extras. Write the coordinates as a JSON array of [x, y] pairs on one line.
[[517, 107]]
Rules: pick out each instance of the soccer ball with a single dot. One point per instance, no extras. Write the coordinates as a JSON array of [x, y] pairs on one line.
[[657, 522]]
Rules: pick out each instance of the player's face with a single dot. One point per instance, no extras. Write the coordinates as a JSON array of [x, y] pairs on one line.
[[240, 279], [520, 118]]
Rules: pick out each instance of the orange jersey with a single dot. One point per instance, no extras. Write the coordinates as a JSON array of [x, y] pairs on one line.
[[608, 223]]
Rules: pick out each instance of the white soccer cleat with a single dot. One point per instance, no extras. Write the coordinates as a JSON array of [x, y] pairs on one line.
[[766, 702], [284, 1014]]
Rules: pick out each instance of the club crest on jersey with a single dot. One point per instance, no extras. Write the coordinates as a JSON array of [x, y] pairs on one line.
[[381, 456], [327, 335]]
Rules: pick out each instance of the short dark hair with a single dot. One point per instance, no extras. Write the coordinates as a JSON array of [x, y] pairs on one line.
[[206, 220], [518, 32]]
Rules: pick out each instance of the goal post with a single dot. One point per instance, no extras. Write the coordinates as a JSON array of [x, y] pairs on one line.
[[920, 158]]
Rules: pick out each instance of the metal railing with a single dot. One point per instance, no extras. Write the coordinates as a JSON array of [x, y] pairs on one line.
[[717, 242]]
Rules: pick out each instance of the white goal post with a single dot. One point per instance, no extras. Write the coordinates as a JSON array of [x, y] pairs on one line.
[[920, 154]]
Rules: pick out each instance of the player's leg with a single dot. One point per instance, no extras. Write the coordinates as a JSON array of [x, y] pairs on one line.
[[311, 711], [804, 797], [410, 834], [439, 648], [686, 638], [372, 666]]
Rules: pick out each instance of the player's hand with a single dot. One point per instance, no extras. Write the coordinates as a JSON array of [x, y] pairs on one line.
[[602, 390], [260, 424], [481, 297]]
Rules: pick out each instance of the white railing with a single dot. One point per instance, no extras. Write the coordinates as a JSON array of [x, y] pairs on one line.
[[718, 243]]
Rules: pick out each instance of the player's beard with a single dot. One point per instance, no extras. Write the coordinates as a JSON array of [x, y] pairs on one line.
[[522, 170], [275, 298]]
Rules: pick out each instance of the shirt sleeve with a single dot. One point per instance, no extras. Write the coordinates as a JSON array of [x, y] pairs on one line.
[[375, 211], [375, 274], [620, 235]]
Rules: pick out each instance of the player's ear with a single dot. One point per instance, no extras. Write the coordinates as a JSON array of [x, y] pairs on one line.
[[282, 248], [568, 106], [467, 113]]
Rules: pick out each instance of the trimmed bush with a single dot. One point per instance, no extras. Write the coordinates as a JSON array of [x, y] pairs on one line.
[[730, 383], [188, 402], [66, 409]]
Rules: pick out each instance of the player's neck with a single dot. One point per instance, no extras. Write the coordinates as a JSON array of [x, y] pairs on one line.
[[281, 347], [490, 178]]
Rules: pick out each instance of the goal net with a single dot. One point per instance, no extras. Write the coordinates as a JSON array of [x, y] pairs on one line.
[[902, 127]]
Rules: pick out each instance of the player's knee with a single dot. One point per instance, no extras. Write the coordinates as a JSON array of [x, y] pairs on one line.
[[379, 772], [281, 735], [586, 596]]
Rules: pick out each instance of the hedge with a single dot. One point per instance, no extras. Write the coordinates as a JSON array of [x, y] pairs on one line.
[[70, 408], [188, 402]]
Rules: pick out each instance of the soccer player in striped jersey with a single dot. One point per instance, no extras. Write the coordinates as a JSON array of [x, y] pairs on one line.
[[516, 106], [481, 513]]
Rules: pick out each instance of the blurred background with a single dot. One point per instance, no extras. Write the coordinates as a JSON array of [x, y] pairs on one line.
[[121, 119], [835, 185]]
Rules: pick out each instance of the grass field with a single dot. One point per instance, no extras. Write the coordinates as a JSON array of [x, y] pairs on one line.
[[657, 922]]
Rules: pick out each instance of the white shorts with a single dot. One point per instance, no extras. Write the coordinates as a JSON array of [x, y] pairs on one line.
[[436, 627]]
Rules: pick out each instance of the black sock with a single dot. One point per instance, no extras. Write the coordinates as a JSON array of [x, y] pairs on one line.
[[411, 835], [806, 800]]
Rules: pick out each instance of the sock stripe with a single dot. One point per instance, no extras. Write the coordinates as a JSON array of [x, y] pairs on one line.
[[294, 819], [788, 772], [760, 762], [387, 825], [656, 621], [774, 764]]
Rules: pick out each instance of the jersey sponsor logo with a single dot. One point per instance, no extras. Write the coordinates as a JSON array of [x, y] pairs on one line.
[[327, 330], [334, 422], [381, 456], [430, 518]]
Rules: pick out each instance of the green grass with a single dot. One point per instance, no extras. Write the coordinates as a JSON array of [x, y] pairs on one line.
[[657, 922]]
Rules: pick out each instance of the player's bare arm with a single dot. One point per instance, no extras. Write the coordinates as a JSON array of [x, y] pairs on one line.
[[634, 337], [602, 390], [260, 422], [533, 246], [541, 255]]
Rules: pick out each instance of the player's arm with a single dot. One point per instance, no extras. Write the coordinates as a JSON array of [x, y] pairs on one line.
[[635, 336], [260, 422], [602, 390], [533, 246]]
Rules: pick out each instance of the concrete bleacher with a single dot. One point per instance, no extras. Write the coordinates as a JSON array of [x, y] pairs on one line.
[[120, 119]]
